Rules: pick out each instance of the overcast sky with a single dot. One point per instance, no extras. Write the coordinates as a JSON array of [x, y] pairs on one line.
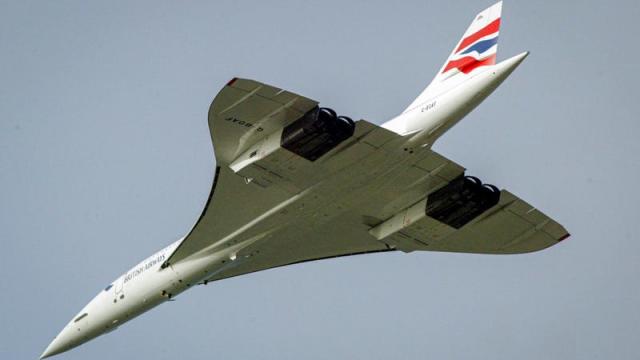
[[105, 157]]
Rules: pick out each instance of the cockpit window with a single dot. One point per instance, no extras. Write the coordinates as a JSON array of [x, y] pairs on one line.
[[108, 287], [80, 317]]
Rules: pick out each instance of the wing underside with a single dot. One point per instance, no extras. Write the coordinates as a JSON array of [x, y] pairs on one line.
[[368, 194]]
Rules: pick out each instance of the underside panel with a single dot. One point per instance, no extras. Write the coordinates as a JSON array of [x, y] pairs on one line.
[[320, 201], [245, 111]]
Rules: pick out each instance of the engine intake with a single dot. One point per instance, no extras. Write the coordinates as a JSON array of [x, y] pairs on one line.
[[316, 133], [460, 201]]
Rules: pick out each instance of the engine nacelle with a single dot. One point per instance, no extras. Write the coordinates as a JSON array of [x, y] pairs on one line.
[[311, 136], [440, 214], [461, 201], [316, 133]]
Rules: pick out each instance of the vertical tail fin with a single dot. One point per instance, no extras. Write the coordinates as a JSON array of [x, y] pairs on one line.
[[477, 47]]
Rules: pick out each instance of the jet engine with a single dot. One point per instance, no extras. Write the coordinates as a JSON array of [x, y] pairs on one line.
[[461, 201], [440, 214], [316, 133]]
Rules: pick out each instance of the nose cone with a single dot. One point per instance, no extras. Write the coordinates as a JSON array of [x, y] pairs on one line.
[[82, 328], [66, 340]]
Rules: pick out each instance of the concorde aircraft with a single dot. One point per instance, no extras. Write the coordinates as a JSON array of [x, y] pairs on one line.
[[295, 182]]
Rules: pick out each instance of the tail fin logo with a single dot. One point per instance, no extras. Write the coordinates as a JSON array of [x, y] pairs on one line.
[[477, 49]]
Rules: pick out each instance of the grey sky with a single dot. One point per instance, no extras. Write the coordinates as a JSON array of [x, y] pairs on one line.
[[105, 158]]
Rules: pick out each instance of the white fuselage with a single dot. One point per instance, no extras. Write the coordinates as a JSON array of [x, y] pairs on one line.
[[147, 284], [143, 287]]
